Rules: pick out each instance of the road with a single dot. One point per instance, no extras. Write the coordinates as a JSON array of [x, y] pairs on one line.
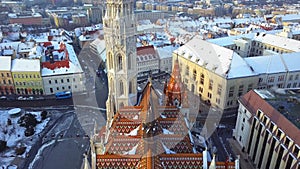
[[217, 130], [63, 145]]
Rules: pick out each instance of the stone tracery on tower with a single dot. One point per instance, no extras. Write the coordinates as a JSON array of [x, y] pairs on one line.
[[119, 34]]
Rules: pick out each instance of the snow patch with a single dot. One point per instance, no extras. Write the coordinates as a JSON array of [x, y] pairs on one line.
[[133, 132], [132, 151], [165, 131]]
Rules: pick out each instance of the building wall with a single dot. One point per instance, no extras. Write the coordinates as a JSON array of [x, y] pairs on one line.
[[27, 20], [60, 83], [214, 89], [266, 144], [149, 15], [6, 83], [279, 80], [242, 127], [94, 15], [236, 88], [292, 80], [28, 83], [192, 76], [166, 64], [147, 62], [258, 48]]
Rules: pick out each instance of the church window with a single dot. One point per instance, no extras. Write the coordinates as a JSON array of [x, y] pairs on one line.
[[120, 62], [121, 88], [231, 91]]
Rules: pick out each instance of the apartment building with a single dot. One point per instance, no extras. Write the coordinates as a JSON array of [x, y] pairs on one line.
[[27, 77], [267, 128]]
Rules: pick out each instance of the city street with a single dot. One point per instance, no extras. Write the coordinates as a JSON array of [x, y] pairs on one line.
[[62, 146], [216, 127]]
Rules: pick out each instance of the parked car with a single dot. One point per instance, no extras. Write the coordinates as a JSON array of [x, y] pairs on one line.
[[21, 98], [3, 98]]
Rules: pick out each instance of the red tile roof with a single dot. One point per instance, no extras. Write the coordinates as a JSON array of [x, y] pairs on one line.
[[145, 50]]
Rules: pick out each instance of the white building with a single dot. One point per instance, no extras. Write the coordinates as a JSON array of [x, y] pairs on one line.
[[63, 72], [147, 59]]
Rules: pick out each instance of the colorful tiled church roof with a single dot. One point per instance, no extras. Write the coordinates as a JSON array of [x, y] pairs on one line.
[[150, 136]]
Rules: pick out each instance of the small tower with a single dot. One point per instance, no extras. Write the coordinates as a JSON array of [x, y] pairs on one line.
[[174, 92]]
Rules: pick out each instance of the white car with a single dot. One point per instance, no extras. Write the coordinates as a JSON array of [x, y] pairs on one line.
[[3, 98], [21, 98]]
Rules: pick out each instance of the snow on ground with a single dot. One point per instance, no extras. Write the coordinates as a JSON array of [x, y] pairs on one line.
[[14, 135]]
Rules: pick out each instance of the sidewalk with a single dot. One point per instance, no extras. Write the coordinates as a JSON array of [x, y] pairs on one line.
[[245, 163]]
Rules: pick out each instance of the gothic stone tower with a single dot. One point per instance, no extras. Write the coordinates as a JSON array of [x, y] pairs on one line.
[[119, 33]]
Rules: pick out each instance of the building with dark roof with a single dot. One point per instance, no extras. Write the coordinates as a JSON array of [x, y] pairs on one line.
[[267, 127]]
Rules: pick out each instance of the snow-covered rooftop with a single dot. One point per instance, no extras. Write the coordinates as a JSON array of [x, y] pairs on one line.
[[218, 59], [5, 63], [74, 65], [99, 44], [227, 41], [166, 51], [17, 46], [275, 63], [289, 17], [278, 41], [25, 65], [240, 68]]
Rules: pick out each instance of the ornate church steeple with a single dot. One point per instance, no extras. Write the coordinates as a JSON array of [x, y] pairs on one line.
[[119, 34], [174, 90]]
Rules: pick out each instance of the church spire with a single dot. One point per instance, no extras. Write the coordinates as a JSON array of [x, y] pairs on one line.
[[174, 90], [120, 42]]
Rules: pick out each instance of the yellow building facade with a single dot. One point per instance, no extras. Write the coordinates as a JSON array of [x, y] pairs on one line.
[[27, 77], [211, 87]]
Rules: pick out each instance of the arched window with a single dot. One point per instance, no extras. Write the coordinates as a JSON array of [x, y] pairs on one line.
[[202, 78], [120, 62], [194, 74], [121, 88]]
